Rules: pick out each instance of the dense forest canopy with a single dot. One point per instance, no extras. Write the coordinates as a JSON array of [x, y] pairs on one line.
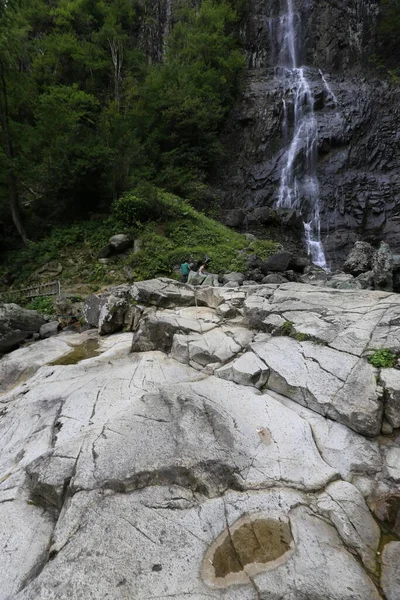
[[84, 114]]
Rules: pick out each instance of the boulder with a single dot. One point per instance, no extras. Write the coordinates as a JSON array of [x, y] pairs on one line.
[[365, 280], [254, 262], [390, 379], [382, 268], [248, 369], [120, 242], [390, 572], [255, 275], [277, 263], [274, 278], [343, 281], [164, 292], [393, 464], [91, 309], [63, 306], [112, 314], [314, 275], [233, 278], [359, 259], [387, 510], [16, 324], [299, 263], [49, 329]]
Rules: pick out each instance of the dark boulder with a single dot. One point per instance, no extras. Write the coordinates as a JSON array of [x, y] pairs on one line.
[[360, 259], [278, 263], [255, 275], [16, 324], [299, 263], [120, 242], [382, 268], [275, 278], [254, 262], [49, 329]]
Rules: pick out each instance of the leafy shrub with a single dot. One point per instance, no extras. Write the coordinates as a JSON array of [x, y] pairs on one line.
[[43, 304], [144, 206], [383, 358], [287, 328]]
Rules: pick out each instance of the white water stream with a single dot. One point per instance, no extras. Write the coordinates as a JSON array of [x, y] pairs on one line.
[[299, 188]]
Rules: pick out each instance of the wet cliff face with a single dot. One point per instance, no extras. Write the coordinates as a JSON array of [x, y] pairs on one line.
[[358, 123]]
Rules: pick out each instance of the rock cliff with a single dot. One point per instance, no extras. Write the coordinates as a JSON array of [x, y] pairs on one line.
[[357, 118], [229, 447]]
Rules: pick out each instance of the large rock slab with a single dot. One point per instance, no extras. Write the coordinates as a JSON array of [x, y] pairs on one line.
[[350, 453], [208, 434], [335, 384], [347, 320], [157, 328], [25, 535], [198, 350], [165, 542], [347, 510], [165, 293], [390, 574], [24, 362], [390, 379], [16, 324]]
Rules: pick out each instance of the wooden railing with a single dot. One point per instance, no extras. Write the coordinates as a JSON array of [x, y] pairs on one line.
[[53, 288]]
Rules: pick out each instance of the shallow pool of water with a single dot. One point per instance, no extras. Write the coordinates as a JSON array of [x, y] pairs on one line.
[[87, 349]]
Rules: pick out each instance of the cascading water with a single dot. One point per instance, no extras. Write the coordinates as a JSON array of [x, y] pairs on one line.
[[299, 188]]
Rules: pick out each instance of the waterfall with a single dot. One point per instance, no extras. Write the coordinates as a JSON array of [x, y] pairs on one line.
[[328, 89], [299, 187]]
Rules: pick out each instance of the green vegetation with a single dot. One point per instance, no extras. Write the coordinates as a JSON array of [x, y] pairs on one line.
[[287, 328], [387, 57], [383, 359], [168, 229], [42, 304], [88, 109]]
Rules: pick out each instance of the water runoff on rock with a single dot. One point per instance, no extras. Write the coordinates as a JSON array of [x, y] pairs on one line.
[[299, 187]]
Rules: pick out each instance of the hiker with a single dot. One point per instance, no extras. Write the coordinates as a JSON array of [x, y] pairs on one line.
[[202, 269], [185, 268]]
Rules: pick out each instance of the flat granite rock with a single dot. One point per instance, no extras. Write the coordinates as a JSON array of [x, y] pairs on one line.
[[219, 459], [335, 384], [167, 542]]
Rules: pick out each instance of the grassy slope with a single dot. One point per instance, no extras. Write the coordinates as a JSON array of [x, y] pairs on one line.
[[179, 232]]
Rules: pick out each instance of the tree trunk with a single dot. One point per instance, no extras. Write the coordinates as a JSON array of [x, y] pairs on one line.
[[9, 152]]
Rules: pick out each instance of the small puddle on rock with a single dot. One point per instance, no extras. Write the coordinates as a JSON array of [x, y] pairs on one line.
[[251, 546], [87, 349]]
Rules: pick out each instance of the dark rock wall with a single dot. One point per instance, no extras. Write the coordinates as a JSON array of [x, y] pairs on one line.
[[359, 150]]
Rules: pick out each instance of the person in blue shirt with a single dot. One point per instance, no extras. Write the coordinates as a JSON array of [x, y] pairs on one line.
[[185, 268]]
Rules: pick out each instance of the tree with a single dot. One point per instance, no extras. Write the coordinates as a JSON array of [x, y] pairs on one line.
[[12, 32]]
